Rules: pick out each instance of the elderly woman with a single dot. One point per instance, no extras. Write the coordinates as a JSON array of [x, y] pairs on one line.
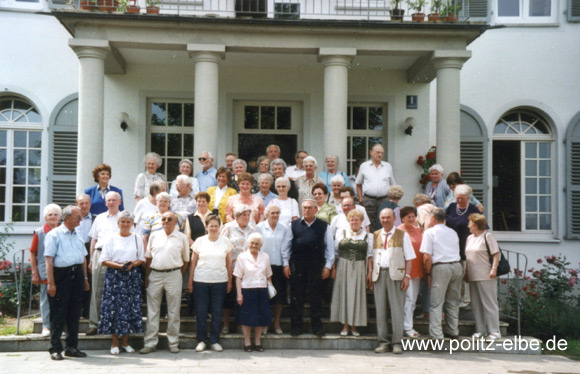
[[147, 207], [220, 194], [237, 232], [331, 172], [288, 206], [153, 223], [453, 180], [308, 180], [121, 303], [326, 211], [278, 168], [185, 168], [424, 208], [101, 175], [263, 167], [52, 215], [336, 183], [240, 167], [253, 272], [245, 197], [409, 218], [481, 275], [265, 181], [353, 247], [394, 195], [210, 277], [274, 234], [437, 189], [152, 162]]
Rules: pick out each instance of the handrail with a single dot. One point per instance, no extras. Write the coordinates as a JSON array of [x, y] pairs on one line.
[[18, 280], [514, 281]]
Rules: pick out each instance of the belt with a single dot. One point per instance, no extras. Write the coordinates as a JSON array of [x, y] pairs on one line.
[[70, 268], [376, 197], [445, 263], [98, 249], [166, 271], [384, 269]]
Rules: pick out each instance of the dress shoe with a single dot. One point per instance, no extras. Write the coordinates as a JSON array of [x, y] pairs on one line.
[[45, 332], [217, 347], [397, 349], [174, 349], [74, 352], [146, 350], [91, 331], [200, 347], [383, 348], [56, 356]]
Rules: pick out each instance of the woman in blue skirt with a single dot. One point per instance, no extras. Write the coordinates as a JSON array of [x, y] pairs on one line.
[[121, 303], [253, 272]]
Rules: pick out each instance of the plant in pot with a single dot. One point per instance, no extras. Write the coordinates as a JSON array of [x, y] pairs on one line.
[[128, 6], [451, 10], [435, 11], [153, 6], [88, 4], [107, 5], [417, 5], [396, 13]]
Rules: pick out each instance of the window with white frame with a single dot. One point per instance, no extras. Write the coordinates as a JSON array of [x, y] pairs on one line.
[[171, 133], [523, 173], [20, 161], [365, 124], [526, 11]]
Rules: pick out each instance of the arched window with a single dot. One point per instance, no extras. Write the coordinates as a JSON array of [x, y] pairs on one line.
[[20, 160], [523, 173]]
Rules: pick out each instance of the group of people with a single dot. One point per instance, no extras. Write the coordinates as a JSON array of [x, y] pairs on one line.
[[236, 242]]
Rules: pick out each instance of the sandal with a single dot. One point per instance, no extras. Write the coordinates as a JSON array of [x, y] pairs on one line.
[[248, 348], [412, 333], [128, 349], [114, 350], [259, 348]]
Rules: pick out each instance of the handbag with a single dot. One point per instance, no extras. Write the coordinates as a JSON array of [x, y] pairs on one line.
[[271, 290], [504, 266]]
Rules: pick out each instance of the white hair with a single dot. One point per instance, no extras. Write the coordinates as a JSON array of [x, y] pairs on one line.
[[310, 159], [82, 196], [284, 180], [241, 208], [337, 179], [126, 214], [183, 179], [52, 208], [270, 207], [265, 176], [436, 167], [278, 161], [113, 193], [273, 145], [153, 156], [163, 196], [463, 189], [256, 235], [240, 161]]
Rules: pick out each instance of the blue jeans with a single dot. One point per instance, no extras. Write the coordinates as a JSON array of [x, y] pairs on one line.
[[209, 297]]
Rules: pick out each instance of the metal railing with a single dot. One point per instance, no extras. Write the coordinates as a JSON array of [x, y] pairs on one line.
[[371, 10], [19, 267], [511, 285]]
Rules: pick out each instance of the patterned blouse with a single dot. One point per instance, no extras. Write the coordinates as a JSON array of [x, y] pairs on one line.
[[237, 236], [326, 213], [305, 187], [254, 202], [143, 182]]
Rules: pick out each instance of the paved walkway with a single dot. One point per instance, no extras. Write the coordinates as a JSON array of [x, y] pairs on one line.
[[290, 361]]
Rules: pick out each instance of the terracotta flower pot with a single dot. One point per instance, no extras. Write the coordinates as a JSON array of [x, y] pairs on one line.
[[107, 5], [451, 18], [133, 9], [397, 14], [434, 17], [153, 9], [418, 17], [87, 5]]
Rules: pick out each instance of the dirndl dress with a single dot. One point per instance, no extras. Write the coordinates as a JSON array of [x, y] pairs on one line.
[[121, 303]]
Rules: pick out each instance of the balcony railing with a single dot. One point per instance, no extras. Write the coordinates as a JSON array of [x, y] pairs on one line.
[[371, 10]]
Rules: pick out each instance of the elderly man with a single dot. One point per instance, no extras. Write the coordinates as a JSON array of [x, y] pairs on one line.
[[230, 158], [278, 167], [266, 181], [349, 192], [167, 257], [184, 204], [83, 201], [373, 181], [392, 255], [273, 152], [206, 177], [67, 280], [296, 171], [307, 255], [339, 222], [103, 227], [441, 260]]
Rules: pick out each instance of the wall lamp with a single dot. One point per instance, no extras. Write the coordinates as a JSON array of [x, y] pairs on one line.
[[408, 126], [124, 119]]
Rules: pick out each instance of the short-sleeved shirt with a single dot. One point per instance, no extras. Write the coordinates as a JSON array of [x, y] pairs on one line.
[[293, 172], [237, 236], [207, 178], [273, 240], [122, 249], [194, 187], [167, 251], [105, 226], [153, 223], [375, 181], [408, 250], [305, 187], [65, 246], [442, 243], [266, 199], [254, 272], [477, 258], [288, 209], [184, 206], [211, 263]]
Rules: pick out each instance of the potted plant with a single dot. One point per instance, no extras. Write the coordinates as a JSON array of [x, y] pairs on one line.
[[107, 5], [451, 11], [435, 11], [88, 4], [153, 6], [128, 6], [417, 5], [396, 12]]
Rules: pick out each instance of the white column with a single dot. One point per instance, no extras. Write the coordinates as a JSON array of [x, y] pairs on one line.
[[448, 107], [206, 59], [91, 55], [336, 62]]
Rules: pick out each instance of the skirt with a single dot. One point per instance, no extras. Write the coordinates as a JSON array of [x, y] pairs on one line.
[[255, 310], [349, 296], [121, 303]]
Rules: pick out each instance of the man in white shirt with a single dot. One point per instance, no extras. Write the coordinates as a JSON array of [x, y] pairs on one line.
[[373, 181], [349, 192], [103, 227], [392, 256], [295, 171], [441, 259], [166, 259]]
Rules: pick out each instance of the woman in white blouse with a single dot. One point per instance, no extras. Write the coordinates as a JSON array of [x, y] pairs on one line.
[[253, 273], [288, 206], [121, 304]]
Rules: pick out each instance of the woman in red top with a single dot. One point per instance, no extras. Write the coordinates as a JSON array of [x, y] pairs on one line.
[[52, 215], [409, 218]]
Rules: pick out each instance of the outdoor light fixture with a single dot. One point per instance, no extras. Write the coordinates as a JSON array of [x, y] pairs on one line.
[[409, 125], [124, 118]]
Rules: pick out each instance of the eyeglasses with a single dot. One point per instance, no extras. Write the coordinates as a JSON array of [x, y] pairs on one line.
[[166, 219], [202, 159]]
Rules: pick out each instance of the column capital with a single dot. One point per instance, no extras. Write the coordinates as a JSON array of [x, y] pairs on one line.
[[91, 48], [450, 59], [207, 52], [336, 56]]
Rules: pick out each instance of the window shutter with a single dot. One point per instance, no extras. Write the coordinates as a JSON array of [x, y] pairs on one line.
[[63, 156], [573, 10], [473, 152], [477, 10], [573, 182]]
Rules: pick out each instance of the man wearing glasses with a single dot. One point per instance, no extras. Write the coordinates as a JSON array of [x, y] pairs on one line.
[[167, 257], [206, 177]]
